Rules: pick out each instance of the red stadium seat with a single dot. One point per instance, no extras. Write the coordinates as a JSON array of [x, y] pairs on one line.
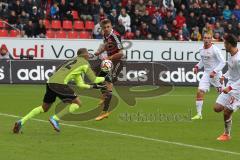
[[61, 34], [84, 35], [2, 24], [13, 33], [56, 24], [50, 34], [89, 25], [73, 35], [3, 33], [78, 25], [67, 24], [47, 23], [75, 15]]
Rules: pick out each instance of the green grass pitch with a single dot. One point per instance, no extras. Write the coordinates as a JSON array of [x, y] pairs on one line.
[[117, 138]]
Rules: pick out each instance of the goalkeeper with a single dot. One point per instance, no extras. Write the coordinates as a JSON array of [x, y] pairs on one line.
[[57, 86]]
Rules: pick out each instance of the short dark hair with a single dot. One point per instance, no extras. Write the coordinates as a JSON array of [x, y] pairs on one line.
[[231, 39], [81, 51], [104, 22]]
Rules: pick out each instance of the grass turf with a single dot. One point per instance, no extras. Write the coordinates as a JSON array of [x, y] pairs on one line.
[[39, 140]]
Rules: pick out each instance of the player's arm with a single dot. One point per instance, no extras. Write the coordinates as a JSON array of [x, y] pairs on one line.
[[100, 50], [80, 82], [91, 75], [198, 66]]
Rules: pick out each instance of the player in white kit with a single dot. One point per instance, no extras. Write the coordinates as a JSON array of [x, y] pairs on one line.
[[229, 100], [213, 63]]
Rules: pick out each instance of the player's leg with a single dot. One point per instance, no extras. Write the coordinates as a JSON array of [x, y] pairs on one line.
[[71, 103], [226, 104], [49, 98], [107, 96], [216, 82], [204, 85]]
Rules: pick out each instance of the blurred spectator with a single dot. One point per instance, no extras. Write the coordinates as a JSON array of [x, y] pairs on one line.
[[12, 19], [135, 20], [191, 21], [140, 6], [233, 21], [170, 37], [174, 28], [113, 17], [101, 15], [217, 37], [229, 29], [159, 19], [84, 11], [163, 31], [4, 12], [196, 35], [150, 8], [54, 12], [149, 36], [180, 19], [23, 19], [40, 30], [125, 18], [168, 3], [17, 7], [153, 29], [227, 13], [144, 29], [146, 18], [120, 28], [236, 12], [218, 29], [65, 10], [29, 29], [4, 54], [168, 19], [185, 32], [95, 8], [107, 6], [138, 35], [28, 5], [35, 15], [130, 8], [207, 29]]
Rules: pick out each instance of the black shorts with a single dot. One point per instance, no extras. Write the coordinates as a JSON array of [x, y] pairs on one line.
[[63, 92]]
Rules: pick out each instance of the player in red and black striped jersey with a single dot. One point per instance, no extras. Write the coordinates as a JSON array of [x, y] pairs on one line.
[[111, 49]]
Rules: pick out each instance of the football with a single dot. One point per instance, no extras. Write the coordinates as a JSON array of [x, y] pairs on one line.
[[106, 65]]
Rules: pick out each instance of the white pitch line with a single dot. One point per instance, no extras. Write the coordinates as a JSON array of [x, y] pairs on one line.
[[133, 136]]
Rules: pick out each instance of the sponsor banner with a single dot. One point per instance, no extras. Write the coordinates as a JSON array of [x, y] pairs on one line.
[[4, 71], [134, 50], [136, 74], [28, 71]]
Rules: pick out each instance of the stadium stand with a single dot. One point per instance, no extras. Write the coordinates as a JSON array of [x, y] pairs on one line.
[[155, 19]]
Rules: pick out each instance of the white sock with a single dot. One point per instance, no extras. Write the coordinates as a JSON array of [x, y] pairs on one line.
[[199, 107]]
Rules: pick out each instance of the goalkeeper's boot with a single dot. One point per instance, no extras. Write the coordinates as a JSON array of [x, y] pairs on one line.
[[224, 137], [197, 117], [17, 127], [55, 124], [102, 116]]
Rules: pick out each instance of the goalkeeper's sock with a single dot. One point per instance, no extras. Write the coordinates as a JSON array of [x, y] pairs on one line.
[[199, 104], [68, 109], [107, 100], [33, 113]]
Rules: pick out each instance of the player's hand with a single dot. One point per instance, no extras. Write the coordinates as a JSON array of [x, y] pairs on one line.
[[222, 79], [195, 69], [227, 90], [212, 74], [98, 86]]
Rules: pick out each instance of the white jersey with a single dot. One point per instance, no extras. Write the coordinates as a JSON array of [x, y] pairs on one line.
[[233, 73], [211, 59]]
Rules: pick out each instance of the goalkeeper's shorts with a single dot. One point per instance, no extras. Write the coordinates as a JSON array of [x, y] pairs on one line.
[[54, 90]]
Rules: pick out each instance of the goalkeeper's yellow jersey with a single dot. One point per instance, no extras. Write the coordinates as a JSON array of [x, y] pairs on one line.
[[73, 70]]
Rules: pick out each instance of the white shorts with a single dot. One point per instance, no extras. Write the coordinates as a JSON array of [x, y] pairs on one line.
[[229, 101], [206, 81]]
